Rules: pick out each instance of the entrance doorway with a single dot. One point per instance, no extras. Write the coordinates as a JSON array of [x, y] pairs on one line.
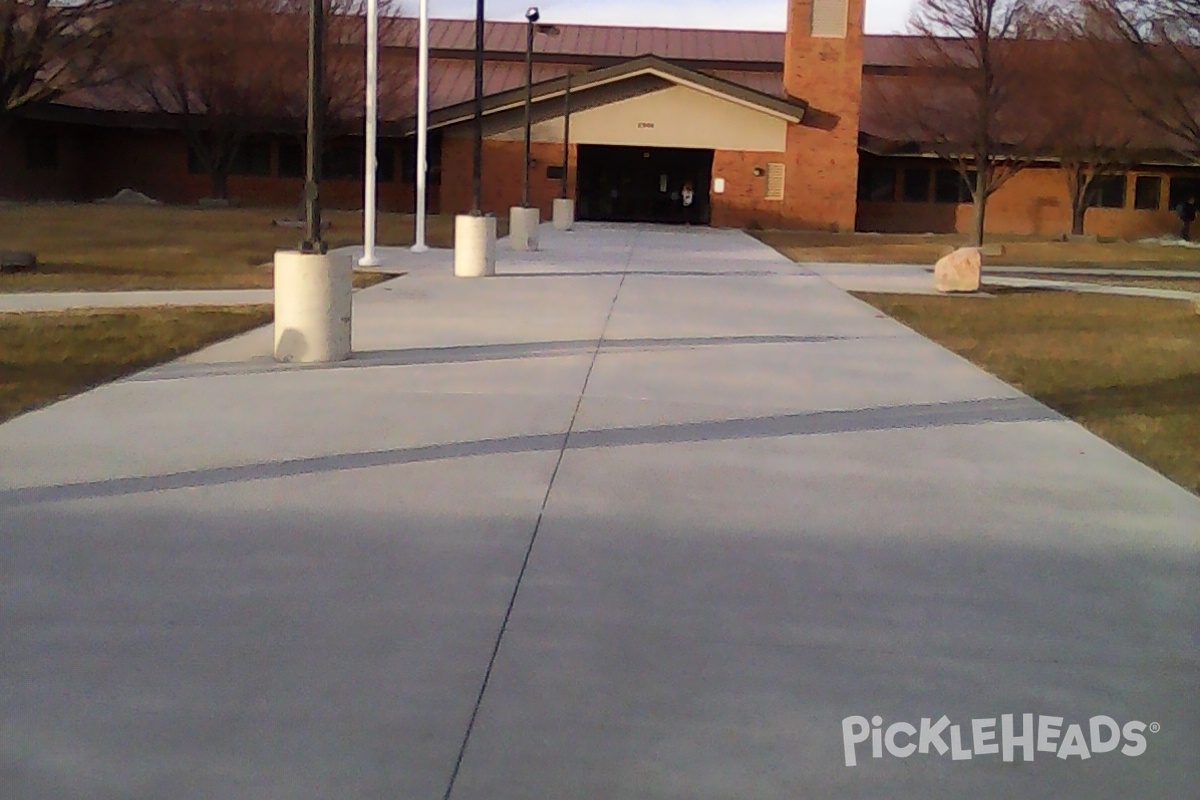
[[643, 184]]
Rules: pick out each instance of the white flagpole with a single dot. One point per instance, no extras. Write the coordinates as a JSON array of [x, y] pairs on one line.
[[370, 210], [422, 128]]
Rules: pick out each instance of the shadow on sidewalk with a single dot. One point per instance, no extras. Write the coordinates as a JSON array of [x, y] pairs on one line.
[[905, 417]]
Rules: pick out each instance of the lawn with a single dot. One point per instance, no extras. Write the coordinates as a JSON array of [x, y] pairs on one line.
[[1126, 368], [95, 247], [872, 248], [46, 357]]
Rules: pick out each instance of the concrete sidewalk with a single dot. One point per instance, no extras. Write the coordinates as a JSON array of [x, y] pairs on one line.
[[646, 516], [64, 301]]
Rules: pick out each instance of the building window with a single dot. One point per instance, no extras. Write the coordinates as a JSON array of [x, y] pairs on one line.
[[877, 184], [1184, 189], [408, 159], [41, 151], [951, 187], [1108, 191], [1147, 193], [291, 158], [253, 158], [916, 185], [775, 181], [343, 162]]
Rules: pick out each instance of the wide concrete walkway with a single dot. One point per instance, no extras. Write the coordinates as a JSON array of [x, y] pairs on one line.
[[63, 301], [645, 517]]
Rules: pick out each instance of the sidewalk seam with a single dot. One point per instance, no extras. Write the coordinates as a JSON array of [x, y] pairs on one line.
[[487, 675]]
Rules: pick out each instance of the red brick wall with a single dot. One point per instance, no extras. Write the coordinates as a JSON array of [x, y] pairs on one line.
[[502, 165], [744, 203], [99, 162], [822, 153], [20, 181], [1033, 202]]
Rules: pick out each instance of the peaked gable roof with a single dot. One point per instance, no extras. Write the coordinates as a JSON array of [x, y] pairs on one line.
[[791, 110]]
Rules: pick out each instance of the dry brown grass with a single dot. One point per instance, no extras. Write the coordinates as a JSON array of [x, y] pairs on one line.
[[103, 248], [871, 248], [1126, 368], [45, 357]]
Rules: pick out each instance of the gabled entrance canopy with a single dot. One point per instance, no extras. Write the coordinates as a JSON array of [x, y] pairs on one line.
[[716, 99]]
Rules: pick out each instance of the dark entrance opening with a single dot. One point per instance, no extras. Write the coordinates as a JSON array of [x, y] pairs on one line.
[[643, 184]]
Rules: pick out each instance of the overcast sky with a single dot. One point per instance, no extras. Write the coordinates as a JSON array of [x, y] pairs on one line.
[[883, 16]]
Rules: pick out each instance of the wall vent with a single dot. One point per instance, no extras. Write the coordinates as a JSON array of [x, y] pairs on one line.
[[830, 19], [775, 176]]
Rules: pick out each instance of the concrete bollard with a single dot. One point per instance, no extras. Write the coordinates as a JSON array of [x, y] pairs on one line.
[[564, 214], [474, 246], [313, 306], [523, 228]]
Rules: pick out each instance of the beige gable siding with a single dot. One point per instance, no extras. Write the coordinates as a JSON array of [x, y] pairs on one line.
[[678, 116]]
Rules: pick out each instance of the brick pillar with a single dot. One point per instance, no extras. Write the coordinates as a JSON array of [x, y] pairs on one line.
[[823, 64]]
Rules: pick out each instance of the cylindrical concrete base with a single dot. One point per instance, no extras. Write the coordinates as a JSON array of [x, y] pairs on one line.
[[313, 300], [523, 228], [474, 246], [564, 214]]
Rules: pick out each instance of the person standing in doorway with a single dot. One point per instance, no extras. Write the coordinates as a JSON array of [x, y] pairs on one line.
[[1187, 215], [688, 198]]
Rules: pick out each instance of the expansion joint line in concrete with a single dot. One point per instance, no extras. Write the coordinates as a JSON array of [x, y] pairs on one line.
[[512, 601]]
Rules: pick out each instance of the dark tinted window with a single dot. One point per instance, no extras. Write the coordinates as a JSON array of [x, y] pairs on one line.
[[950, 187], [343, 163], [1108, 191], [1182, 189], [291, 158], [41, 151], [877, 184], [408, 159], [1147, 193], [916, 185], [253, 158]]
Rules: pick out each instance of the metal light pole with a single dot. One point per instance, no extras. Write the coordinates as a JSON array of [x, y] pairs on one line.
[[316, 117], [372, 145], [566, 135], [477, 176], [531, 18], [419, 246]]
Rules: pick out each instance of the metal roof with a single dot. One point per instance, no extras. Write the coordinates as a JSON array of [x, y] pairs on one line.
[[603, 41]]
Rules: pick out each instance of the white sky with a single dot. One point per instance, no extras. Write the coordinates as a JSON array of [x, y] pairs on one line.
[[883, 16]]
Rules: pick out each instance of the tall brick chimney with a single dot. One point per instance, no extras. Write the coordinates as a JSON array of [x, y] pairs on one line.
[[823, 66]]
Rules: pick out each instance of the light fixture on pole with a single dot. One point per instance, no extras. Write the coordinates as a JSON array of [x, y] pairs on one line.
[[474, 233], [315, 130], [531, 18], [477, 168], [313, 287], [564, 206], [419, 245], [370, 208]]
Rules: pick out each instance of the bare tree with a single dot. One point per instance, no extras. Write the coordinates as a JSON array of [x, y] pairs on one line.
[[225, 70], [1087, 126], [214, 69], [1152, 48], [50, 48], [965, 100]]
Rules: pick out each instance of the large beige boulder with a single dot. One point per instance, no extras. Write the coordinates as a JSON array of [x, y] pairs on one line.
[[960, 271]]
